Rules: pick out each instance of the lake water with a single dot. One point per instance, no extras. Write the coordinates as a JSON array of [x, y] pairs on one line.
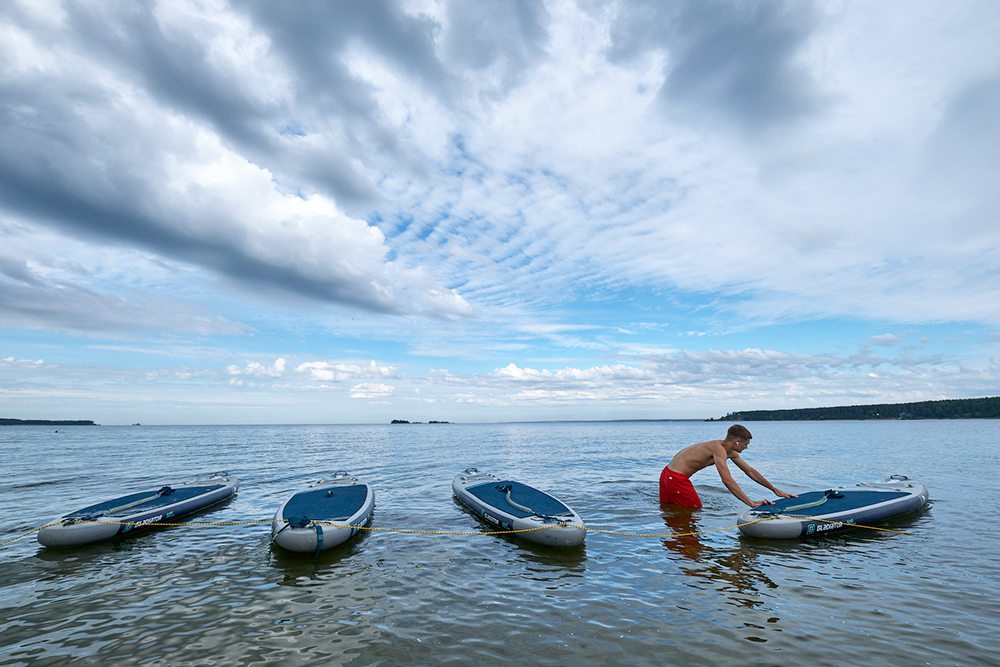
[[220, 595]]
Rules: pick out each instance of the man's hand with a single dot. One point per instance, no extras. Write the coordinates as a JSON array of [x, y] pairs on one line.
[[782, 494], [758, 503]]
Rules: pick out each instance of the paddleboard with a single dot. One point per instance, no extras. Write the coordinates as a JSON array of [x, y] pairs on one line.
[[510, 505], [834, 510], [301, 523], [135, 511]]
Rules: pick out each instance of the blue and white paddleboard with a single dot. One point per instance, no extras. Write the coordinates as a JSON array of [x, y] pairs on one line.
[[834, 510], [510, 505], [127, 514], [300, 524]]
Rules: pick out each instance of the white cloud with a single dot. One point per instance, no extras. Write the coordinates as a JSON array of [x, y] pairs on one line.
[[772, 378], [330, 372], [22, 363], [256, 369], [372, 390], [596, 374], [885, 340]]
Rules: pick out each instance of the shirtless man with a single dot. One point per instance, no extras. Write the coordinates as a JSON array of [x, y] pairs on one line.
[[675, 485]]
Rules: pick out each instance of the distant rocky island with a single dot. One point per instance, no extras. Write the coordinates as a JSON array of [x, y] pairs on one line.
[[961, 408], [45, 422]]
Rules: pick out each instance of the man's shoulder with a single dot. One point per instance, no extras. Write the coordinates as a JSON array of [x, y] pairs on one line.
[[711, 444], [708, 449]]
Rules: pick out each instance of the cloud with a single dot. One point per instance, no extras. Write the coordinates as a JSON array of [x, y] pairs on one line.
[[22, 363], [962, 158], [755, 377], [546, 329], [596, 374], [330, 372], [885, 340], [734, 60], [372, 390], [494, 39], [41, 288], [122, 127], [255, 369]]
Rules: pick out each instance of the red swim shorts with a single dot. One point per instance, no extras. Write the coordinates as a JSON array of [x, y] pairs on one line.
[[677, 489]]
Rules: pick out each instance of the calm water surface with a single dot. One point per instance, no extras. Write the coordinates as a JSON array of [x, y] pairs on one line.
[[220, 595]]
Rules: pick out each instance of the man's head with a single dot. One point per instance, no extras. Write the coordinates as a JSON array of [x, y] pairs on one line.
[[738, 431], [738, 438]]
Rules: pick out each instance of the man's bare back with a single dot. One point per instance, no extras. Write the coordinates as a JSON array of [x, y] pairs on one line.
[[691, 459]]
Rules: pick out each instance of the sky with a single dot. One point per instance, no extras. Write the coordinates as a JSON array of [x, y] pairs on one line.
[[280, 212]]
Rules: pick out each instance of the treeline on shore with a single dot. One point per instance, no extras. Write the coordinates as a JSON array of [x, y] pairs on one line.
[[961, 408], [45, 422]]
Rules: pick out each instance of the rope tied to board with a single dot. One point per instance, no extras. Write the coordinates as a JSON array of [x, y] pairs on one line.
[[304, 522]]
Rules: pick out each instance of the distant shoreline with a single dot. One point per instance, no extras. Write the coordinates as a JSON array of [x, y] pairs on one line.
[[46, 422], [961, 408]]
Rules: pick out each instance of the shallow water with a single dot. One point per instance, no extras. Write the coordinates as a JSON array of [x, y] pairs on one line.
[[204, 595]]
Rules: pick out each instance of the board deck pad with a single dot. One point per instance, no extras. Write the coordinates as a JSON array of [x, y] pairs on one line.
[[522, 494], [851, 500], [331, 503], [176, 495]]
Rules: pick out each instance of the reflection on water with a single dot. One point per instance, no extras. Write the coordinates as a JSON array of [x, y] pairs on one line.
[[730, 569], [297, 566], [526, 549]]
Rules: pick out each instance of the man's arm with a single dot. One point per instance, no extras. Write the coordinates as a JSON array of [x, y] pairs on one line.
[[757, 477], [721, 464]]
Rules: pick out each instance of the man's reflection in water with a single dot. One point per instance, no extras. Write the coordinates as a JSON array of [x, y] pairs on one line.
[[713, 561]]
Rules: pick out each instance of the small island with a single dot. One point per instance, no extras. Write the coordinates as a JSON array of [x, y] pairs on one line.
[[403, 421]]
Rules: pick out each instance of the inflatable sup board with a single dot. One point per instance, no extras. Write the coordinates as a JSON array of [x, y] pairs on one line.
[[834, 510], [127, 514], [300, 524], [510, 505]]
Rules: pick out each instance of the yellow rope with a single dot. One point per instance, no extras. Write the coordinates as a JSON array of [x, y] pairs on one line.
[[325, 523], [492, 532], [33, 530], [670, 535], [161, 523]]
